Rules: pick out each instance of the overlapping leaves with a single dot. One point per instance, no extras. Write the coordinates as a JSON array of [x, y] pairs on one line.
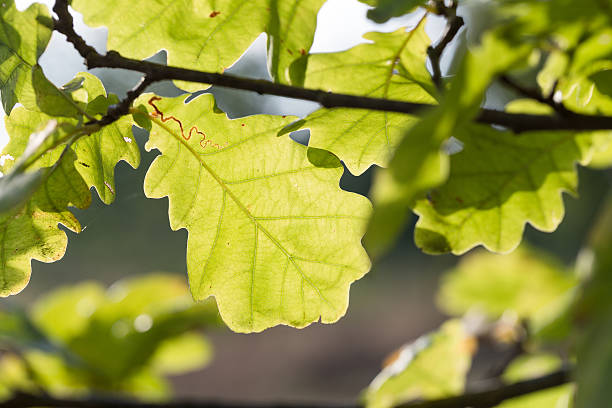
[[96, 154], [419, 162], [30, 226], [391, 66], [146, 324], [29, 230], [23, 39]]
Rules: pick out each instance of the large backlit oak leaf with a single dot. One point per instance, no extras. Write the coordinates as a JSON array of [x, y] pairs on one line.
[[207, 35], [271, 235], [391, 66]]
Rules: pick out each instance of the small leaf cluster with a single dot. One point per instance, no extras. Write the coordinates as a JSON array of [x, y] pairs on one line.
[[87, 338]]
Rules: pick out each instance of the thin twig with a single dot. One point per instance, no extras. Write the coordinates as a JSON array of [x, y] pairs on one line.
[[535, 95], [482, 399], [123, 107], [453, 25], [157, 72], [492, 397]]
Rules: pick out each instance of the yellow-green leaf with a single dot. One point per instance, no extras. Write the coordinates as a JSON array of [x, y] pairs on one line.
[[434, 366], [207, 35], [391, 65], [262, 239]]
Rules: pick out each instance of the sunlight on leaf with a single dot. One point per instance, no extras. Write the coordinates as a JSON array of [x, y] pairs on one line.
[[391, 66], [145, 323], [207, 35], [262, 239], [31, 230], [498, 183], [97, 154], [494, 284], [23, 39], [420, 163], [434, 366]]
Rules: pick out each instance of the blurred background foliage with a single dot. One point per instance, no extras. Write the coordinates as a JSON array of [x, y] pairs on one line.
[[85, 337], [58, 335]]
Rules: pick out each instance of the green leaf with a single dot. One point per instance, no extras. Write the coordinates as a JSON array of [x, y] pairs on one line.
[[494, 284], [385, 9], [65, 312], [138, 316], [262, 239], [588, 91], [57, 177], [557, 397], [291, 32], [18, 331], [98, 153], [594, 48], [18, 187], [141, 117], [499, 182], [24, 37], [529, 366], [145, 323], [602, 158], [532, 366], [393, 198], [391, 66], [51, 373], [420, 163], [184, 353], [206, 35], [434, 366], [31, 232], [14, 376], [603, 81], [579, 77], [47, 98]]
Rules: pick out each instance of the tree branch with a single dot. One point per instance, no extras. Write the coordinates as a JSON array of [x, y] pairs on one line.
[[23, 400], [482, 399], [157, 72], [535, 95], [453, 25], [492, 397], [123, 107]]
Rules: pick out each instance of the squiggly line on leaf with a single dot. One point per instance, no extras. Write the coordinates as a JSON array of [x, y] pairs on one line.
[[159, 114]]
